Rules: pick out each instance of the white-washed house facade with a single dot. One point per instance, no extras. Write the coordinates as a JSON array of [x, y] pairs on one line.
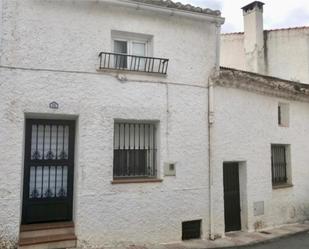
[[61, 111]]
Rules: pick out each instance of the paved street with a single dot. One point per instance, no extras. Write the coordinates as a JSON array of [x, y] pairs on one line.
[[300, 241]]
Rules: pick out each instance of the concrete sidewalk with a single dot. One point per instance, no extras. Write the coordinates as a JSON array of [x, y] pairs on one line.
[[231, 240]]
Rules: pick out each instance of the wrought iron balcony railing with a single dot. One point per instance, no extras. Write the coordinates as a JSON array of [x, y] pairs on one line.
[[133, 63]]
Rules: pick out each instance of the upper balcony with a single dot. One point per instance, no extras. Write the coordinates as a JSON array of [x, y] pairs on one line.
[[133, 63]]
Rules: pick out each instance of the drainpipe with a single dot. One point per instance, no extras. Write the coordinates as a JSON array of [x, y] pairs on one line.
[[210, 124], [210, 131]]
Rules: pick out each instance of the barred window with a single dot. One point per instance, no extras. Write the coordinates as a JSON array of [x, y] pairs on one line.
[[134, 150], [278, 164]]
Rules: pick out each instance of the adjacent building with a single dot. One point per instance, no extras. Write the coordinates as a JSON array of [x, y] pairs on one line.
[[282, 53], [260, 125], [259, 153]]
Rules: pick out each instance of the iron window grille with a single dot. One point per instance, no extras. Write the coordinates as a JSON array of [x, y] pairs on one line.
[[134, 150], [278, 164], [125, 62]]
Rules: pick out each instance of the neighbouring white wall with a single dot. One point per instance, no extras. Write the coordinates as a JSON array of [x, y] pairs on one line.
[[286, 53], [48, 38], [245, 127], [232, 53]]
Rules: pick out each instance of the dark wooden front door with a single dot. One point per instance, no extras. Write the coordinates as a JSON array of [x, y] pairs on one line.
[[48, 171], [231, 197]]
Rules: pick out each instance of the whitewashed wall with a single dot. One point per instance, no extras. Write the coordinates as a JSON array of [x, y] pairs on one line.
[[286, 53], [245, 127], [68, 35], [232, 53], [45, 40]]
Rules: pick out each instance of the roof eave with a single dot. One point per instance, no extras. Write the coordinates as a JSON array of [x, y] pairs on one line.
[[262, 84], [170, 11]]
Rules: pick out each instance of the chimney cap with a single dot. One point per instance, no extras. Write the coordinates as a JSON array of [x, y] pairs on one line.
[[252, 5]]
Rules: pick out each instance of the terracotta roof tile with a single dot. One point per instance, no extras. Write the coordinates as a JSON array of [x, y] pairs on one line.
[[270, 30], [290, 28], [180, 6], [233, 33]]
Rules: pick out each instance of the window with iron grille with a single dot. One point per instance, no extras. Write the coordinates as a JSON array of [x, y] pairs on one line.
[[279, 164], [134, 150]]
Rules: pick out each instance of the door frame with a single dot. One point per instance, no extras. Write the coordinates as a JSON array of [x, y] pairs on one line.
[[27, 151]]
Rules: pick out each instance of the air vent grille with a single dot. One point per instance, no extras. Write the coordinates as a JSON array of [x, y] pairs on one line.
[[191, 229]]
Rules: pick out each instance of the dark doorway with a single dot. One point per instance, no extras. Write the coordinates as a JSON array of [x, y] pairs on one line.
[[231, 197], [48, 171]]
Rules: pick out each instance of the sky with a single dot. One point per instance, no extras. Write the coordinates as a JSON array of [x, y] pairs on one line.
[[277, 13]]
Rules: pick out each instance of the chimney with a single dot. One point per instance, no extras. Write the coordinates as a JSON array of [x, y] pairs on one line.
[[254, 37]]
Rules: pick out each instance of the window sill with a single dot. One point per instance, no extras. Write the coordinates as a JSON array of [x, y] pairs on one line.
[[280, 186], [130, 181]]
